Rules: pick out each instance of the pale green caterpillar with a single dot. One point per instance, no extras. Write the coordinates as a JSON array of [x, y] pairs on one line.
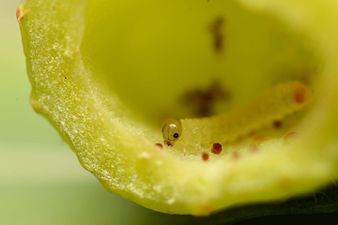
[[273, 104]]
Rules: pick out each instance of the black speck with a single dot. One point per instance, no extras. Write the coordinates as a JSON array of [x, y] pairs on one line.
[[217, 32], [277, 124]]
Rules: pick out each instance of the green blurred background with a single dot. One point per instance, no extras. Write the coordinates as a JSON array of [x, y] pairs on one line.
[[41, 181]]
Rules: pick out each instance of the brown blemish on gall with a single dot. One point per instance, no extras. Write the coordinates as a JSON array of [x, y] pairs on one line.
[[289, 135], [19, 13], [216, 148], [236, 155], [159, 145], [258, 138], [254, 148], [205, 156]]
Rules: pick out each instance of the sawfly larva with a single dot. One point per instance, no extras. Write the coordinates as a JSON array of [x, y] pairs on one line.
[[274, 104]]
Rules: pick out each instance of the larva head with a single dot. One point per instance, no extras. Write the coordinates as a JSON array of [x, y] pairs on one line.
[[172, 131]]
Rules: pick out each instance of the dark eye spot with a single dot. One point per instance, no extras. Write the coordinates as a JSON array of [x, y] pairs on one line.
[[176, 135]]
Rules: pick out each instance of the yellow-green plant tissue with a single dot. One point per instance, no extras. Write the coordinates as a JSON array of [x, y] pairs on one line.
[[190, 106]]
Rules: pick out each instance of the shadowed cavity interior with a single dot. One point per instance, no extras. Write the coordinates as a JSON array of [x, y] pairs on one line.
[[189, 58]]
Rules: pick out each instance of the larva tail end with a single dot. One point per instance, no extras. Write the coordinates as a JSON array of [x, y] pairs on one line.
[[300, 93]]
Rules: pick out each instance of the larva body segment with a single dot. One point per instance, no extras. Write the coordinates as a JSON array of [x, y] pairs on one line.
[[273, 104]]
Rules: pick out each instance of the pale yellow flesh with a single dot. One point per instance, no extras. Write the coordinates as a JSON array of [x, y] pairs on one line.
[[105, 73]]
